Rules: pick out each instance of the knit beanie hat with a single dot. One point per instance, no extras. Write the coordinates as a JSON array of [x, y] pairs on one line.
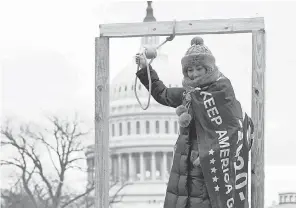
[[198, 54]]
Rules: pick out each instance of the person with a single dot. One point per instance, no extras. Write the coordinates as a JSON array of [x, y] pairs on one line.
[[213, 133]]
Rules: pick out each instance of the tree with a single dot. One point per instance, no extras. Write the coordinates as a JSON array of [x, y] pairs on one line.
[[63, 148], [88, 201], [15, 197]]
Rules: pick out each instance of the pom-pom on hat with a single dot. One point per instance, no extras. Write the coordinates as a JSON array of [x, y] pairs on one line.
[[198, 54]]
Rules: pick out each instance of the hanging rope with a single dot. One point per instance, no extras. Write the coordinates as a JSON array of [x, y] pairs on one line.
[[151, 53]]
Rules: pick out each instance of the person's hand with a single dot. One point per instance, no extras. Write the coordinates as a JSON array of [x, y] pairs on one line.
[[195, 158], [140, 60], [196, 162]]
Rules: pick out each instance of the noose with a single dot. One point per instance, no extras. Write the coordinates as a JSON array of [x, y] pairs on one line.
[[151, 53]]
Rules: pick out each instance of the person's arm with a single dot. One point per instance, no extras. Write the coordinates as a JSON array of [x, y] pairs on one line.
[[166, 96]]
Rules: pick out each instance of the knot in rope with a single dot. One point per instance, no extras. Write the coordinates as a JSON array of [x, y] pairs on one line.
[[172, 36]]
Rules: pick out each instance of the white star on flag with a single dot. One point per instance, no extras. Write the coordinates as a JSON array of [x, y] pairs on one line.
[[217, 188], [212, 161], [211, 152], [240, 123], [213, 170], [215, 179]]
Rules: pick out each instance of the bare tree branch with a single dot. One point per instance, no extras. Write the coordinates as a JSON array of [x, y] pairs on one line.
[[78, 168], [79, 196], [26, 184], [35, 159], [64, 146], [113, 198], [48, 147]]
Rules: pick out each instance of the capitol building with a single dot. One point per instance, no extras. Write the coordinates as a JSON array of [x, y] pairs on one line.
[[141, 141], [286, 200]]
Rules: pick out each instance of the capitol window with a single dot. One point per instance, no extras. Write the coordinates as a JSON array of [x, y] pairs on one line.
[[169, 161], [90, 164], [157, 127], [113, 130], [147, 127], [132, 87], [128, 128], [119, 89], [176, 127], [90, 167], [147, 165], [125, 167], [125, 88], [158, 165], [120, 129], [167, 127], [138, 127], [139, 86], [137, 165], [114, 165]]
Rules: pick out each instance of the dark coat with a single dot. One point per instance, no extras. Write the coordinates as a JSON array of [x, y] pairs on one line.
[[186, 186]]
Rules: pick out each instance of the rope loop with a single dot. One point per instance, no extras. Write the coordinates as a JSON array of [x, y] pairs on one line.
[[151, 53], [149, 79]]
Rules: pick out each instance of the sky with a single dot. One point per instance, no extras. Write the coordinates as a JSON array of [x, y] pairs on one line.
[[47, 62]]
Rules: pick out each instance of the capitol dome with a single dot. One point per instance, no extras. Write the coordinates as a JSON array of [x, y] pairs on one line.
[[122, 86], [141, 141]]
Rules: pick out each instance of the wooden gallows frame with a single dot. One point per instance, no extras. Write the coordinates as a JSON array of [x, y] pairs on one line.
[[165, 28]]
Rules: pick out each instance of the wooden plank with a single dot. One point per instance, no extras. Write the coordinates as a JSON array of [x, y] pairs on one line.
[[191, 27], [258, 94], [102, 122]]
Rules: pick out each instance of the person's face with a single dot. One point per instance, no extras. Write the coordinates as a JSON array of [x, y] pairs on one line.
[[195, 71]]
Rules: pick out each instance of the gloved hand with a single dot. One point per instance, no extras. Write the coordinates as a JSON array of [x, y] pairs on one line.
[[194, 157], [140, 60]]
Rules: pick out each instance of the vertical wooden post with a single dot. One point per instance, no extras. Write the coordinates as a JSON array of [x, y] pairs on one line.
[[101, 122], [257, 155]]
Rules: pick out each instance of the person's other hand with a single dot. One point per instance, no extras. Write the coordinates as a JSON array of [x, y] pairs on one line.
[[140, 60]]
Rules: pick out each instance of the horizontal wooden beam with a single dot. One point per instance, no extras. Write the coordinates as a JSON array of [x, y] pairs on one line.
[[188, 27]]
